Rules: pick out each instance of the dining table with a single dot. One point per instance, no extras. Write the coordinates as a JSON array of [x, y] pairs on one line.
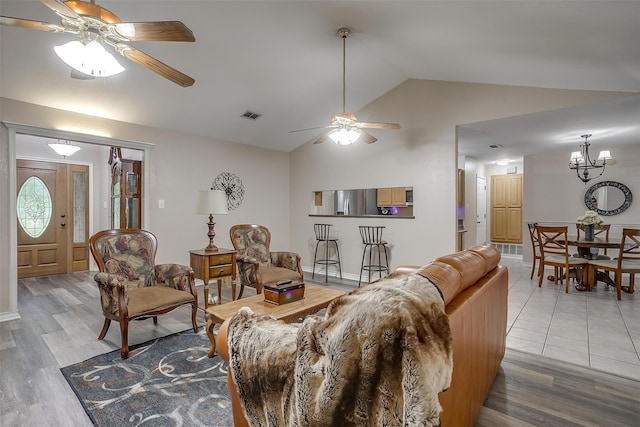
[[584, 247]]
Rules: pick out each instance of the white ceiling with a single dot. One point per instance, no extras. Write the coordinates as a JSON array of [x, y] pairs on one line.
[[283, 59]]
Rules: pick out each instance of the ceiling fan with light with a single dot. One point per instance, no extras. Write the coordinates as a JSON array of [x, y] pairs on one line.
[[95, 25], [345, 128]]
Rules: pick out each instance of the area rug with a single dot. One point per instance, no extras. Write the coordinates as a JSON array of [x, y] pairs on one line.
[[168, 381]]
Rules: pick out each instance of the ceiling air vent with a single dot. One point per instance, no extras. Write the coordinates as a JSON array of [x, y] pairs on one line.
[[251, 115], [495, 146]]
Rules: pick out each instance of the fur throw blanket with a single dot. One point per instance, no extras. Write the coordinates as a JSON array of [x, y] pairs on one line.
[[379, 356]]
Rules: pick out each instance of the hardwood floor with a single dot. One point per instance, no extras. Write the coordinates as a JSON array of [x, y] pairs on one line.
[[61, 318]]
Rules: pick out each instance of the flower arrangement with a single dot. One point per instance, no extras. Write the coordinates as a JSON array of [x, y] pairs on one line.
[[590, 218]]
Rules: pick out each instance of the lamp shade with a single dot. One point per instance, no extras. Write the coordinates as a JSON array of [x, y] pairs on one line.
[[90, 58], [576, 158], [212, 202], [605, 155]]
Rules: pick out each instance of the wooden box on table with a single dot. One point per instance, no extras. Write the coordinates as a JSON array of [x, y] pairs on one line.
[[283, 292]]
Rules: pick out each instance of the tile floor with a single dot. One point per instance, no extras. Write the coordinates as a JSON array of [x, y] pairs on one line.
[[591, 329]]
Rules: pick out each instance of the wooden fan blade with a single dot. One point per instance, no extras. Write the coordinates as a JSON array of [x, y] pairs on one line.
[[154, 65], [380, 125], [164, 31], [60, 8], [302, 130], [322, 137], [368, 138], [31, 25]]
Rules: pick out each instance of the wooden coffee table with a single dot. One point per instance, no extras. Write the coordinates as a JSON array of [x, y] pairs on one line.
[[315, 299]]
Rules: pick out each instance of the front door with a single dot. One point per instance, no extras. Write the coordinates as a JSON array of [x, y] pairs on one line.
[[52, 209]]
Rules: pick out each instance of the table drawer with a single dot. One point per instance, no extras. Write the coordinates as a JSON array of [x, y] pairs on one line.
[[220, 259], [220, 271]]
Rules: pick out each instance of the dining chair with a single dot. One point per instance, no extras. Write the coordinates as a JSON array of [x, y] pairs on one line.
[[554, 252], [535, 247], [628, 261], [599, 231]]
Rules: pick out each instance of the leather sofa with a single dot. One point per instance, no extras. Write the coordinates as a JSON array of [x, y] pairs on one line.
[[474, 287]]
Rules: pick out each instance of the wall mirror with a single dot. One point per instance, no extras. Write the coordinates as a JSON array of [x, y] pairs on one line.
[[608, 198]]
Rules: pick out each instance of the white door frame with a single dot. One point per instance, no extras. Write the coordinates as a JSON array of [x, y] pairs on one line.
[[16, 128]]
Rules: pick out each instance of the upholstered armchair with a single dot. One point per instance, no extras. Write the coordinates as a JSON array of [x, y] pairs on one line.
[[132, 286], [257, 265]]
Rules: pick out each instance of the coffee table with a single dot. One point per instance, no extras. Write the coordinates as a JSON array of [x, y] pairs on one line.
[[315, 299]]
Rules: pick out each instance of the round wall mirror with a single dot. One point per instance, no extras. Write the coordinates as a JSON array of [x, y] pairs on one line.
[[608, 198]]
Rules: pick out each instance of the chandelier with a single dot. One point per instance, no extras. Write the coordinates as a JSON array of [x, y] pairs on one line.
[[581, 162]]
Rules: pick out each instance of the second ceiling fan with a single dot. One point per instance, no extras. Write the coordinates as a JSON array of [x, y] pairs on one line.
[[345, 128]]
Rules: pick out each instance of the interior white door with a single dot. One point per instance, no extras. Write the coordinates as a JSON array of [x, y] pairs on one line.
[[481, 210]]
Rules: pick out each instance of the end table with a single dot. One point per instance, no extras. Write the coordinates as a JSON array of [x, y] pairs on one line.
[[214, 265]]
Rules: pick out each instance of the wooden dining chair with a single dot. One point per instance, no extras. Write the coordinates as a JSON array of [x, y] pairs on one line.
[[554, 252], [628, 261], [535, 248], [601, 230]]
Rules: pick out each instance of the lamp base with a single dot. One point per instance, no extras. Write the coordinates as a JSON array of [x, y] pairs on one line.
[[211, 249]]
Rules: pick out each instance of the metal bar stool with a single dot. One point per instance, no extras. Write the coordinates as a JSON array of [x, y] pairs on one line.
[[372, 238], [322, 235]]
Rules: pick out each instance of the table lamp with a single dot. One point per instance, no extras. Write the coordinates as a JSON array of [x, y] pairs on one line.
[[212, 202]]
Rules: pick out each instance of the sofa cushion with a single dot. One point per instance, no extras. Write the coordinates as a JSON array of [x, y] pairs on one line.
[[154, 298], [277, 274], [456, 272]]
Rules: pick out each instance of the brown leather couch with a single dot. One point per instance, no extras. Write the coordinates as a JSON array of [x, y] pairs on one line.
[[474, 287]]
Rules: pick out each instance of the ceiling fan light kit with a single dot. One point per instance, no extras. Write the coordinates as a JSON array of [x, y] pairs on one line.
[[95, 26], [345, 129], [90, 58]]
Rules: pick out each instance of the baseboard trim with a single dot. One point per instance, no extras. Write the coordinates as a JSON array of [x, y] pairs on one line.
[[5, 317]]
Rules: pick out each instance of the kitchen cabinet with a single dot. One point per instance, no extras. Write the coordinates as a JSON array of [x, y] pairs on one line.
[[506, 208], [393, 196]]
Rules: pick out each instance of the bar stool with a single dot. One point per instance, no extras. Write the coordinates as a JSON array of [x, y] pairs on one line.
[[322, 235], [372, 238]]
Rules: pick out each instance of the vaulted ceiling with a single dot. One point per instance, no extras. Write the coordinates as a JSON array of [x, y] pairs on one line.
[[283, 60]]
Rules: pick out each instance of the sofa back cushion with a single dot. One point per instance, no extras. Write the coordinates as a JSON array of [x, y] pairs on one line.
[[456, 272]]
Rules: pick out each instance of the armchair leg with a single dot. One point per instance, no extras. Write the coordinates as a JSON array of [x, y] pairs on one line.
[[155, 320], [105, 328], [194, 311], [124, 332], [241, 291]]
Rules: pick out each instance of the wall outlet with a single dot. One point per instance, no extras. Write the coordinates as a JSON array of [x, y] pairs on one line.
[[161, 204]]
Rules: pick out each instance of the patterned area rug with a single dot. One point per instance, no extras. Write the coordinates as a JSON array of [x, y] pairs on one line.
[[168, 381]]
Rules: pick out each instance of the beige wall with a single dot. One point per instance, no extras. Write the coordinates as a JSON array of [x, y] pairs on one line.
[[423, 155], [179, 165], [278, 186], [555, 196]]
